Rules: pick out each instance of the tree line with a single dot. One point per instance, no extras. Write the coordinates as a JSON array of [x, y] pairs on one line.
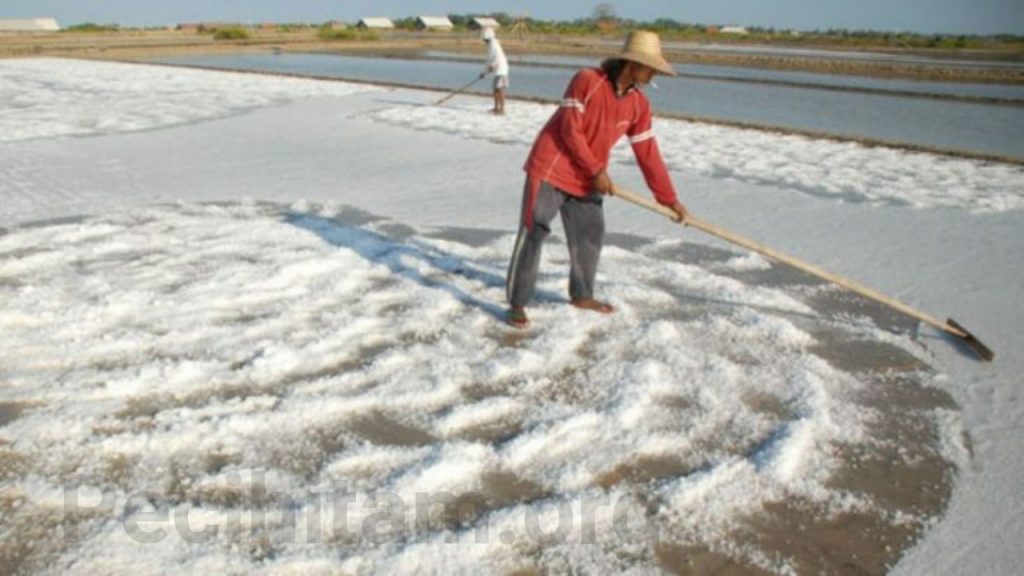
[[604, 21]]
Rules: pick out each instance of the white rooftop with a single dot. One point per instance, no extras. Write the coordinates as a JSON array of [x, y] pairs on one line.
[[28, 25]]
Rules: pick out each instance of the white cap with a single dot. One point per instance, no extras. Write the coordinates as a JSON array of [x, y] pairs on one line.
[[488, 34]]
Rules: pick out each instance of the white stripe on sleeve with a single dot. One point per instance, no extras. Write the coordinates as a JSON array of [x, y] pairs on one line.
[[572, 103], [641, 137]]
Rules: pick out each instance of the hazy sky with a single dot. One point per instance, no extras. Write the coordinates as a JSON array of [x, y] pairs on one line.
[[949, 16]]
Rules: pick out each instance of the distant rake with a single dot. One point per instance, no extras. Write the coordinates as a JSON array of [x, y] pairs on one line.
[[460, 90]]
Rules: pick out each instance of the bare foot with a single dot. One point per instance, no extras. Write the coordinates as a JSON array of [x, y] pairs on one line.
[[517, 318], [595, 305]]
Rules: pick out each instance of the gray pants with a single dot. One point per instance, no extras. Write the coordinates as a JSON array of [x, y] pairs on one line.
[[583, 221]]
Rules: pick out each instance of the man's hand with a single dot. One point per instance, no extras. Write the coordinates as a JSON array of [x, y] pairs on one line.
[[602, 183], [680, 211]]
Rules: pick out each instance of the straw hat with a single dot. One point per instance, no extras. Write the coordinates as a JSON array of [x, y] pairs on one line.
[[644, 47]]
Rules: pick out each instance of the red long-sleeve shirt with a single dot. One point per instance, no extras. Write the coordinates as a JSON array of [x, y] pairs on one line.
[[574, 145]]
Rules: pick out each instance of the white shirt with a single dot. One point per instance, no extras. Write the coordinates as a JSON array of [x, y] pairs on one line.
[[496, 60]]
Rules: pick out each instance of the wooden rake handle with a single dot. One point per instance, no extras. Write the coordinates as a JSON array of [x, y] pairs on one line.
[[949, 327]]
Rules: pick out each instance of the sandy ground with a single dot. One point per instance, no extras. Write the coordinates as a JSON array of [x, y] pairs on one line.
[[123, 45]]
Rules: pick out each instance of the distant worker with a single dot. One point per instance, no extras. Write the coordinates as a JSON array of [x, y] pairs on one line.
[[498, 64], [566, 172]]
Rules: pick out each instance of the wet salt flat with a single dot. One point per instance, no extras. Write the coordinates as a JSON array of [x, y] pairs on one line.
[[965, 126], [265, 316], [1001, 91], [839, 54]]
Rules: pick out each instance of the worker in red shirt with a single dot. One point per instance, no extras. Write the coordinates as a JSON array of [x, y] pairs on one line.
[[566, 172]]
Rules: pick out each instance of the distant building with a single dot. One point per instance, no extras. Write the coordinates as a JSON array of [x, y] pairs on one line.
[[376, 23], [336, 25], [12, 25], [481, 22], [740, 30], [434, 23]]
